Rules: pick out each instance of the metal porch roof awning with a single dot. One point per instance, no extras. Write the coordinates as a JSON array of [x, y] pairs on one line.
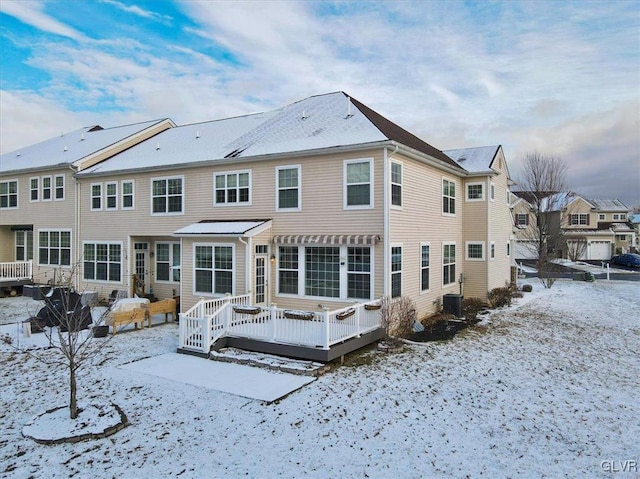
[[224, 228], [327, 239], [22, 228]]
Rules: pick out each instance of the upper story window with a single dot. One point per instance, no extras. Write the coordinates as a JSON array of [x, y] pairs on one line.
[[96, 196], [522, 219], [9, 194], [448, 197], [475, 192], [127, 195], [620, 216], [577, 219], [475, 250], [58, 185], [601, 217], [46, 188], [358, 185], [396, 183], [233, 188], [34, 187], [167, 195], [492, 189], [288, 185], [111, 196], [54, 247]]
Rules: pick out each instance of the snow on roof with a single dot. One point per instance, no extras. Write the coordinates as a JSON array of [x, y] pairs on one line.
[[222, 228], [608, 205], [474, 159], [68, 148]]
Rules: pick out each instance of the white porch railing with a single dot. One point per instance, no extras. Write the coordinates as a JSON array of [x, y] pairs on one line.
[[16, 271], [210, 320]]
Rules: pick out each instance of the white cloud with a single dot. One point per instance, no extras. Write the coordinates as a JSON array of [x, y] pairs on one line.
[[134, 9], [32, 13]]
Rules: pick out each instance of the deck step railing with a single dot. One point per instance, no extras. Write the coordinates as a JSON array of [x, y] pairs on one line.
[[16, 271], [210, 320]]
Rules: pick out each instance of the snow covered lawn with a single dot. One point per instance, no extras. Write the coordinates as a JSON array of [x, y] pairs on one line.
[[546, 388]]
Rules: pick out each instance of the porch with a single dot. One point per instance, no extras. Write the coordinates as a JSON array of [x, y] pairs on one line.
[[16, 273], [318, 336]]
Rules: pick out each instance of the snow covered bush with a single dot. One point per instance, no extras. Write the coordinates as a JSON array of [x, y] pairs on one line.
[[397, 317], [499, 297]]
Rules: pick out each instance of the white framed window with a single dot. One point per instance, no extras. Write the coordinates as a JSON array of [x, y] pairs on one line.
[[46, 188], [601, 216], [127, 195], [448, 263], [578, 219], [58, 185], [396, 183], [288, 270], [359, 263], [24, 245], [54, 247], [425, 266], [167, 196], [492, 250], [96, 196], [358, 184], [102, 261], [508, 248], [34, 189], [619, 216], [492, 189], [288, 188], [9, 194], [214, 269], [168, 261], [448, 197], [111, 196], [232, 188], [522, 219], [475, 250], [475, 191], [396, 271]]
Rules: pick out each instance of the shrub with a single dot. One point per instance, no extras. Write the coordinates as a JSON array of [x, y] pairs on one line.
[[499, 297], [527, 288], [397, 317], [471, 307]]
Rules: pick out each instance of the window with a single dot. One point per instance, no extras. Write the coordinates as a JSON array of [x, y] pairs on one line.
[[262, 249], [493, 192], [448, 263], [358, 190], [508, 248], [475, 250], [475, 192], [322, 271], [34, 185], [111, 196], [424, 267], [9, 194], [396, 184], [448, 197], [214, 269], [522, 219], [46, 188], [102, 262], [288, 264], [54, 248], [59, 187], [623, 237], [24, 245], [127, 195], [168, 262], [232, 188], [288, 188], [621, 216], [166, 194], [601, 217], [579, 219], [396, 271], [492, 247], [96, 196], [359, 272]]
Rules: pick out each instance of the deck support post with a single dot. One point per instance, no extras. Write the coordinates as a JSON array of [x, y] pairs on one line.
[[325, 316]]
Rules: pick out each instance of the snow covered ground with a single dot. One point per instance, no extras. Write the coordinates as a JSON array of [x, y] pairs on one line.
[[545, 388]]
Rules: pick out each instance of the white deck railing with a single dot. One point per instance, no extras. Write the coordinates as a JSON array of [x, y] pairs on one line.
[[205, 323], [16, 271]]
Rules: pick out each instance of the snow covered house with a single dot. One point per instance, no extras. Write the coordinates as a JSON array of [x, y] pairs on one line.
[[320, 206]]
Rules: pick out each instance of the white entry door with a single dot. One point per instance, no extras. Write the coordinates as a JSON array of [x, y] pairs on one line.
[[141, 268]]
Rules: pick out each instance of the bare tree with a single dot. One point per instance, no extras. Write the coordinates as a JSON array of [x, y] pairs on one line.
[[543, 181], [576, 247]]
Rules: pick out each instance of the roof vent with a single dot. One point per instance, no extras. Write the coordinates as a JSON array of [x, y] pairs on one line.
[[157, 146], [82, 137], [349, 114], [462, 159], [197, 134], [65, 148], [304, 115], [18, 154]]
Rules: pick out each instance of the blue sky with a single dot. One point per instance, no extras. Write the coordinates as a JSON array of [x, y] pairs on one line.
[[559, 78]]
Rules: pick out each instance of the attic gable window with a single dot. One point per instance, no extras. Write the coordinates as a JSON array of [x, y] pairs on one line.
[[522, 219], [358, 184], [232, 188], [167, 195]]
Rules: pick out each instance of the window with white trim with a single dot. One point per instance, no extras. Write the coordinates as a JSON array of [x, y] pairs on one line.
[[396, 183], [619, 216], [288, 269], [475, 250], [167, 195], [359, 272], [102, 261], [358, 184], [46, 188], [24, 245], [58, 184], [492, 248], [578, 219], [475, 191], [601, 216], [425, 266], [232, 188], [522, 219], [168, 262], [288, 186], [396, 271], [448, 197], [54, 247], [214, 269], [96, 196], [448, 263], [111, 196], [9, 194], [492, 189], [127, 195], [508, 248], [322, 271], [34, 187]]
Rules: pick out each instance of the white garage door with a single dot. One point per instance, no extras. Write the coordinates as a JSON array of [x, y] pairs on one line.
[[525, 250], [599, 250]]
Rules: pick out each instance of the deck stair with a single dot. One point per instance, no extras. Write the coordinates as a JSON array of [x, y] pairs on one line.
[[269, 361]]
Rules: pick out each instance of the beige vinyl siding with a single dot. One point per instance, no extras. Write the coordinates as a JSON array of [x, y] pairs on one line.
[[581, 207], [7, 240], [475, 229], [420, 220]]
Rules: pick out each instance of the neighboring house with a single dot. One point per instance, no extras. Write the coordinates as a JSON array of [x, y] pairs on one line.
[[593, 229], [38, 197], [316, 206], [634, 219]]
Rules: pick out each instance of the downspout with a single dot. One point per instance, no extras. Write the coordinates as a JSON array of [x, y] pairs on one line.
[[386, 167], [76, 228], [488, 200], [247, 266]]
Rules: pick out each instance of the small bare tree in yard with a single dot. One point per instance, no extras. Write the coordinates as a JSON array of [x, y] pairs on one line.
[[397, 318], [544, 186]]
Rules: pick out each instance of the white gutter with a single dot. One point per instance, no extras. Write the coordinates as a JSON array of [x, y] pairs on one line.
[[386, 184]]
